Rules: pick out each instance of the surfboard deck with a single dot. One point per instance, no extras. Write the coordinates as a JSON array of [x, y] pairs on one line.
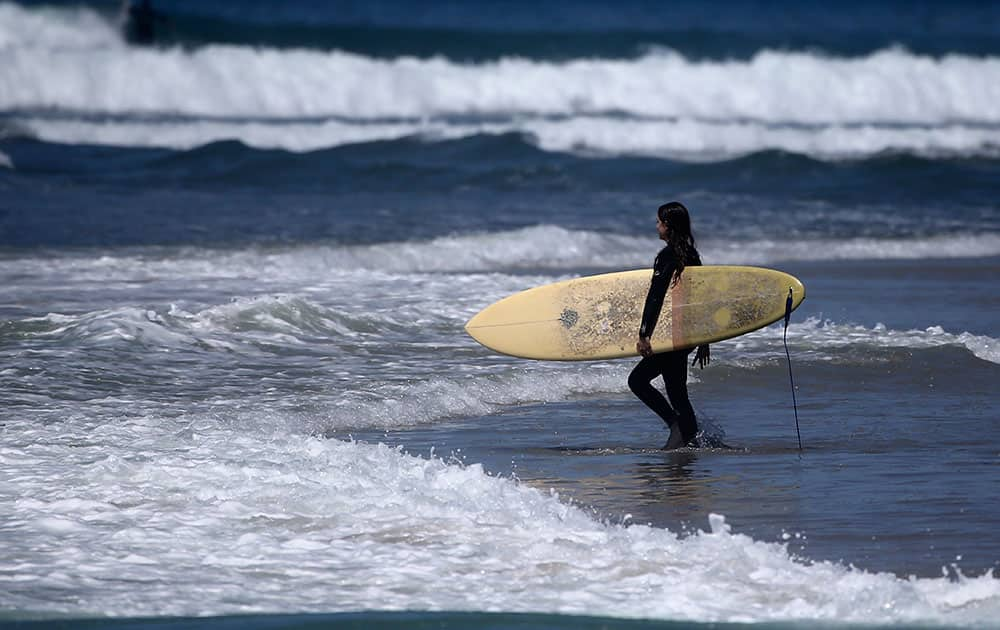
[[598, 317]]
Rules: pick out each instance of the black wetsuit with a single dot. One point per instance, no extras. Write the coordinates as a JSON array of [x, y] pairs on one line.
[[672, 366]]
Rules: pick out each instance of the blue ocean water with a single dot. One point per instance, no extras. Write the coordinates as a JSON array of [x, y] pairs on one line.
[[236, 265]]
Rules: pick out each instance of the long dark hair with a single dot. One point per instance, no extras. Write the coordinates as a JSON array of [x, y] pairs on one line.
[[675, 216]]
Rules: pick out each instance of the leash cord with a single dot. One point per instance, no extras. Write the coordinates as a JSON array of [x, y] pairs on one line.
[[791, 380]]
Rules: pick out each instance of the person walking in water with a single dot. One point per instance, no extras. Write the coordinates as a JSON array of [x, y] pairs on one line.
[[673, 223]]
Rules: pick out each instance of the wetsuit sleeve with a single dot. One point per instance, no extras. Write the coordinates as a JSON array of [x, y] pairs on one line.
[[663, 270]]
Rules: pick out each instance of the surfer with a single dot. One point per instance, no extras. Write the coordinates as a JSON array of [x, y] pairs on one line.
[[673, 223], [140, 22]]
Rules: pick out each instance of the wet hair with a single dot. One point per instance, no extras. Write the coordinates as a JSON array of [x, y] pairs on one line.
[[675, 216]]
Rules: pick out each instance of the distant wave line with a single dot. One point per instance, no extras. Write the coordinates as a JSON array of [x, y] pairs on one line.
[[542, 247], [696, 140], [890, 86]]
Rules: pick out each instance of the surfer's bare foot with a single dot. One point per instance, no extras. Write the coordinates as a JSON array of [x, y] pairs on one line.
[[676, 439]]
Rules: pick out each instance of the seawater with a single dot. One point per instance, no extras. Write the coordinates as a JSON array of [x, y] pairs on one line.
[[235, 269]]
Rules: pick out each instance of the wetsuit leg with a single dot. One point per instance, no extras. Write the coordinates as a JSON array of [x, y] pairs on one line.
[[640, 382], [675, 380]]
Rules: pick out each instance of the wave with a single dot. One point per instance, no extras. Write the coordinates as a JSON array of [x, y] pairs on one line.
[[396, 406], [523, 29], [660, 103], [553, 247], [513, 161], [297, 321], [822, 339], [890, 87], [549, 248], [268, 515], [274, 333], [591, 136], [392, 406], [300, 322], [438, 383], [241, 325], [762, 252]]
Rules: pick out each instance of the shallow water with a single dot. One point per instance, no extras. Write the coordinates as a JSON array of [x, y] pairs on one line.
[[235, 375]]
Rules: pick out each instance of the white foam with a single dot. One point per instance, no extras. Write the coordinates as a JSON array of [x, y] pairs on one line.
[[705, 140], [238, 326], [545, 247], [291, 136], [766, 251], [686, 139], [395, 405], [273, 521], [423, 386], [129, 324], [658, 104], [5, 161], [65, 29], [890, 86], [499, 384], [815, 334], [415, 389], [985, 347], [538, 247], [554, 247]]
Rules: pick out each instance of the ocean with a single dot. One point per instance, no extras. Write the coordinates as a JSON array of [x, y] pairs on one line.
[[235, 267]]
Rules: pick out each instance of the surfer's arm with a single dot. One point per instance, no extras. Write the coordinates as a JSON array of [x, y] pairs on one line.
[[663, 270]]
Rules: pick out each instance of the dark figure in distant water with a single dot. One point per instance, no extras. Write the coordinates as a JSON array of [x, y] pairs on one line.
[[673, 223], [140, 23]]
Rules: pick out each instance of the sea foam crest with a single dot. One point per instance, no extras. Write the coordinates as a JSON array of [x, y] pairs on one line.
[[890, 86]]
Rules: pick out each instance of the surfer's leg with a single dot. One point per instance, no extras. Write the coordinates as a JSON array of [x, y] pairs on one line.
[[675, 379], [640, 382]]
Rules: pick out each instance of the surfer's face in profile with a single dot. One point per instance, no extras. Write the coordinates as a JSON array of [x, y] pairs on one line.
[[661, 228]]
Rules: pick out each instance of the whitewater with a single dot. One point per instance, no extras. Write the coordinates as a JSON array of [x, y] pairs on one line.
[[97, 90], [413, 533]]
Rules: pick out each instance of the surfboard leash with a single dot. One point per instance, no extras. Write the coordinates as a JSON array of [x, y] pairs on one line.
[[791, 380]]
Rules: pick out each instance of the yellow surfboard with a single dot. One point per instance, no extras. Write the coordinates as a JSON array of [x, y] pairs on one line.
[[597, 317]]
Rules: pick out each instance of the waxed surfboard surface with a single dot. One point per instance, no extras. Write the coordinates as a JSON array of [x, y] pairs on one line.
[[597, 317]]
